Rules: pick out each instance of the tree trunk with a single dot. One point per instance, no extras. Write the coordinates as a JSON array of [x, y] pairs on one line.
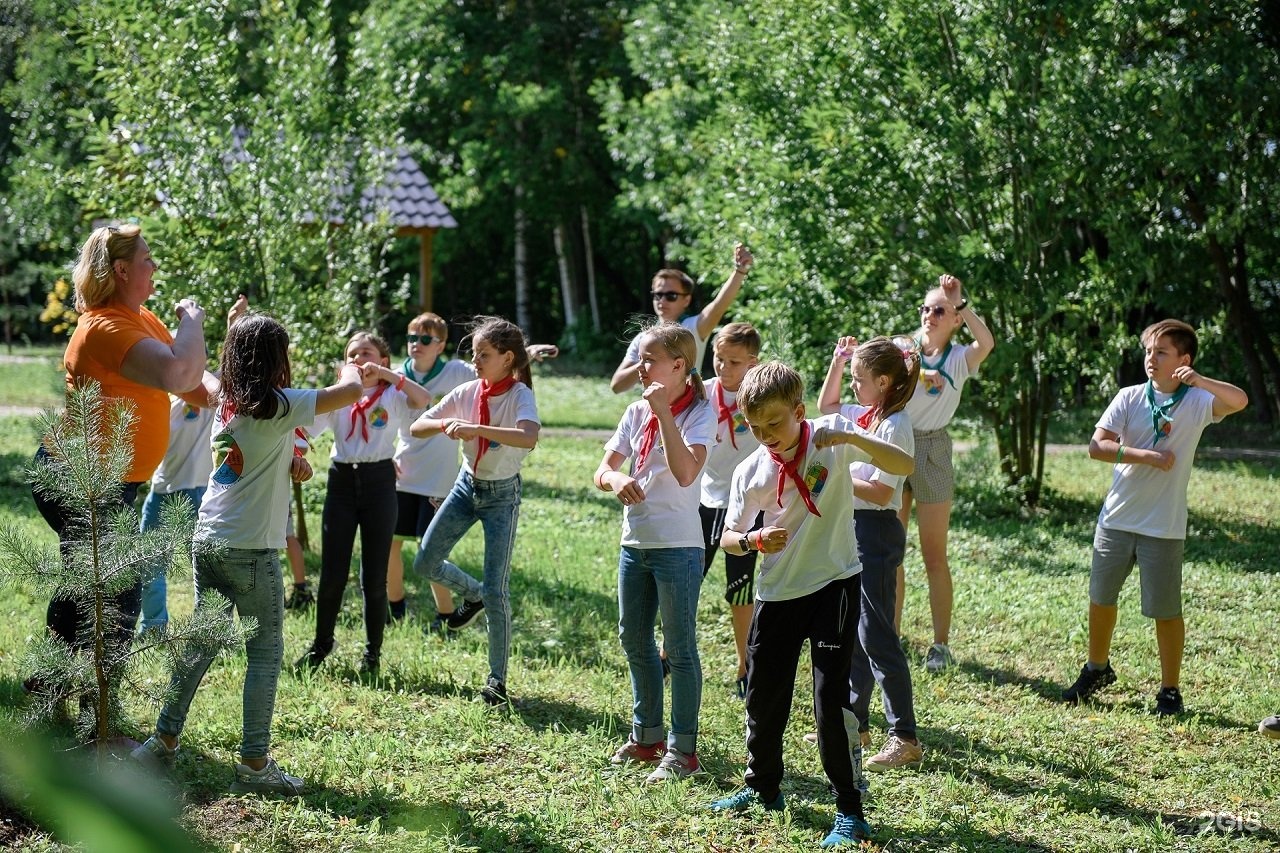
[[522, 262], [567, 295], [590, 259]]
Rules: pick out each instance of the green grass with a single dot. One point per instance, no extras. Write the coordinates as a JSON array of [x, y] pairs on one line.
[[35, 380], [413, 763]]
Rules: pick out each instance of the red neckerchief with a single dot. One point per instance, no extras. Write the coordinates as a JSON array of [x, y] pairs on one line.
[[226, 411], [792, 469], [359, 408], [649, 432], [489, 389], [864, 420], [725, 413]]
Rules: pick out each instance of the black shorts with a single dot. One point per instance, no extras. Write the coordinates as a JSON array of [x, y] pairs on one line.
[[739, 569], [416, 512]]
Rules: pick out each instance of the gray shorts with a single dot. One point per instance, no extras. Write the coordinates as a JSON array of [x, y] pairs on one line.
[[934, 480], [1159, 570]]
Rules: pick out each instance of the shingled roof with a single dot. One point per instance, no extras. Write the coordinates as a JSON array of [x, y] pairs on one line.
[[408, 197]]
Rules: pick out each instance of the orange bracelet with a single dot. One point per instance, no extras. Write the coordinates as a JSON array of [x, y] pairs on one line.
[[400, 384]]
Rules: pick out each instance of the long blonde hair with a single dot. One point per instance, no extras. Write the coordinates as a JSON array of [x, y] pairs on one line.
[[93, 275]]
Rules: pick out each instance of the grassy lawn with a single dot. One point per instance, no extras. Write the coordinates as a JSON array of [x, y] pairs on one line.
[[412, 763]]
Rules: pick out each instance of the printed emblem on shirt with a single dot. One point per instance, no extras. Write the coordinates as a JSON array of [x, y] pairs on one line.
[[816, 478], [740, 424], [378, 417], [228, 461], [929, 388], [190, 412]]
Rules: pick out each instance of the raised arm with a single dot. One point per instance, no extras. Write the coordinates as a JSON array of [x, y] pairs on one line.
[[983, 341], [888, 457], [710, 316], [1227, 398], [829, 397], [344, 393], [177, 367]]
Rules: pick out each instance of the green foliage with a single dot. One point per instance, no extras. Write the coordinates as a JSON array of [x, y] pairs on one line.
[[89, 454]]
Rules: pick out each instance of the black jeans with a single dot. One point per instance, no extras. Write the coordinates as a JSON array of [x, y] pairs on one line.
[[63, 616], [828, 619], [359, 495], [879, 658]]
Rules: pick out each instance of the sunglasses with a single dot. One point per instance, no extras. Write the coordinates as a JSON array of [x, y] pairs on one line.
[[935, 310], [669, 295], [425, 340]]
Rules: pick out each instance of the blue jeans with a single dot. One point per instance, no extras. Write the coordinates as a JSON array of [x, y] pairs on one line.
[[496, 505], [155, 592], [666, 580], [250, 580]]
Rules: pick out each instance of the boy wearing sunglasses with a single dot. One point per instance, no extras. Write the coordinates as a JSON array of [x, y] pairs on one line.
[[427, 467], [944, 368], [672, 292]]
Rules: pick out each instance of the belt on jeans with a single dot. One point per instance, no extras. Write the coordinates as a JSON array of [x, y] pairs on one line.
[[356, 465]]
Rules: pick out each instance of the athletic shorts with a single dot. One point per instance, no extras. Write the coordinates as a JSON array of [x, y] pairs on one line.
[[739, 569], [1159, 570], [934, 480], [416, 512]]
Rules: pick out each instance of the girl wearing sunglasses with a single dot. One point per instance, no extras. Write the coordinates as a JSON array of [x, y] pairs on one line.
[[672, 292], [944, 368]]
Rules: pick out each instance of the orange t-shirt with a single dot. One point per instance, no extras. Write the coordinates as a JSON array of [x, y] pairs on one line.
[[102, 339]]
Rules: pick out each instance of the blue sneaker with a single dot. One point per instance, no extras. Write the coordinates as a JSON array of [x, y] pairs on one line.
[[847, 830], [745, 799]]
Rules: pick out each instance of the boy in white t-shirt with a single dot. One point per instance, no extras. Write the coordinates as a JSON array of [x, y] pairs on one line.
[[736, 350], [807, 586], [1150, 433], [672, 292]]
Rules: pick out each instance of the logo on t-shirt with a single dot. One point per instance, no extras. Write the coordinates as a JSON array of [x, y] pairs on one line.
[[378, 417], [740, 424], [929, 388], [228, 461], [816, 478], [190, 412]]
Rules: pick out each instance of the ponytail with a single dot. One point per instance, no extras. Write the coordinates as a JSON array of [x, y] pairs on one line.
[[884, 357]]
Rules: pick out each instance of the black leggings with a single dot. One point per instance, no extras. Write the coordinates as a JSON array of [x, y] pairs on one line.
[[63, 616], [360, 495]]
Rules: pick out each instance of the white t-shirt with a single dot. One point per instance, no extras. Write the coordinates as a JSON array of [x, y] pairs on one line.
[[668, 515], [382, 420], [932, 408], [690, 323], [428, 466], [1144, 499], [500, 461], [819, 550], [247, 502], [187, 462], [723, 457], [895, 429]]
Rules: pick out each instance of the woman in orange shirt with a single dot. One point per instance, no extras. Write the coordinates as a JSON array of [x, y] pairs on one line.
[[129, 352]]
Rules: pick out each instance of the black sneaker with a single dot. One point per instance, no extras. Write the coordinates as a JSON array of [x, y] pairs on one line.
[[313, 657], [302, 597], [395, 611], [464, 615], [370, 664], [1089, 683], [1168, 702], [494, 693]]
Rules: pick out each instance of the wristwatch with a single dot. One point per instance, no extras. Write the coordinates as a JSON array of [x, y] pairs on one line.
[[964, 303], [744, 542]]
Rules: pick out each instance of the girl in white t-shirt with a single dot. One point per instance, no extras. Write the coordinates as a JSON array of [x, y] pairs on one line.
[[884, 379], [666, 434], [496, 418], [239, 534], [361, 493], [944, 368]]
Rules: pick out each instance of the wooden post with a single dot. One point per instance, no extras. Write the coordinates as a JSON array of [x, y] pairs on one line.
[[425, 238]]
